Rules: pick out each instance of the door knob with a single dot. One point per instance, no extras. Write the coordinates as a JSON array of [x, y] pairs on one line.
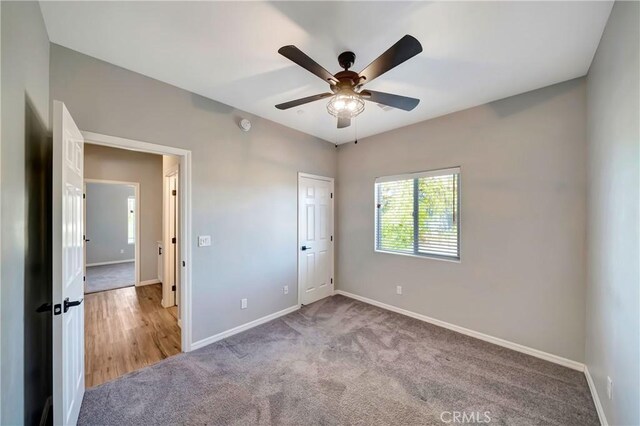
[[303, 248], [68, 304]]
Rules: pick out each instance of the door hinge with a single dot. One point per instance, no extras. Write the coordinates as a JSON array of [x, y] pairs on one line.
[[84, 196], [173, 192], [183, 264], [332, 195], [173, 288], [332, 238], [331, 280], [173, 240], [84, 278], [57, 309]]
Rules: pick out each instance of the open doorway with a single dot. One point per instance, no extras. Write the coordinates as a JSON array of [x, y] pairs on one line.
[[112, 255], [95, 342], [129, 323]]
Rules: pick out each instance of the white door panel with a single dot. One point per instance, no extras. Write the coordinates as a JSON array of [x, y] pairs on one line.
[[68, 267], [315, 221]]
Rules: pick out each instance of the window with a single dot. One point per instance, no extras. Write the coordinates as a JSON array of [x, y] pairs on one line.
[[131, 220], [419, 214]]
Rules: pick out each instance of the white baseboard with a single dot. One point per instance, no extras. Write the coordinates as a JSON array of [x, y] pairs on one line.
[[149, 282], [112, 262], [239, 329], [487, 338], [596, 398]]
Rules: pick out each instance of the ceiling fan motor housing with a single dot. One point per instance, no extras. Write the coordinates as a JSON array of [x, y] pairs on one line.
[[346, 80], [346, 59]]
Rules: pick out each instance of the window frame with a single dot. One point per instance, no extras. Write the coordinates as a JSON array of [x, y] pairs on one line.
[[412, 176]]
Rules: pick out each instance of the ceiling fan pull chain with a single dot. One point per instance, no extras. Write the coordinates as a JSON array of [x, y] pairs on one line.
[[355, 126]]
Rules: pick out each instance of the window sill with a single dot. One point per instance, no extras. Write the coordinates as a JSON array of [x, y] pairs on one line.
[[421, 256]]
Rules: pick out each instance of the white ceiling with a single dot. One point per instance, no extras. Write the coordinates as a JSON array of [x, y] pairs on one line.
[[474, 52]]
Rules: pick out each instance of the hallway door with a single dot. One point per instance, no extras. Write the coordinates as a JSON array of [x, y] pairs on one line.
[[68, 267]]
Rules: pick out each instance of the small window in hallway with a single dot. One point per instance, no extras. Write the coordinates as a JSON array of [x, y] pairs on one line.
[[131, 220]]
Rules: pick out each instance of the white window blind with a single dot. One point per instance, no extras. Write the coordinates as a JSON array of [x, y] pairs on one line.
[[419, 213]]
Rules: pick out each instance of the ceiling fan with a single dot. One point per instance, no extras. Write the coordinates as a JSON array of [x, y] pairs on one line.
[[347, 96]]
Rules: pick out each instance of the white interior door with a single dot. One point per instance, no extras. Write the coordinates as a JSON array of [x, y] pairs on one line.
[[172, 252], [315, 238], [68, 266], [176, 231]]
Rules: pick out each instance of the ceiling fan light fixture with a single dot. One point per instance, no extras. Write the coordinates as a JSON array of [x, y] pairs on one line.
[[346, 105]]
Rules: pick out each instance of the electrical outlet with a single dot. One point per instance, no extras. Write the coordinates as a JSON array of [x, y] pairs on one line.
[[285, 289], [399, 289], [609, 387], [243, 304], [204, 240]]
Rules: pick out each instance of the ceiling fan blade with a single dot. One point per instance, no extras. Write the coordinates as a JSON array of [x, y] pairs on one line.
[[299, 57], [406, 48], [344, 122], [302, 101], [396, 101]]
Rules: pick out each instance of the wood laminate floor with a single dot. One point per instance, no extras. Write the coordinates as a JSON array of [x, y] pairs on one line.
[[127, 329]]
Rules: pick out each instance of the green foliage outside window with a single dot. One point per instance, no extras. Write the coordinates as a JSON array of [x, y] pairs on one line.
[[437, 215]]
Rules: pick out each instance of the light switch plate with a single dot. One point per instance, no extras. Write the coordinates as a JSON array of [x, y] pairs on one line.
[[243, 304], [204, 240]]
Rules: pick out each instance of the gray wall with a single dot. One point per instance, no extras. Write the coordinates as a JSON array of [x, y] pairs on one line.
[[25, 78], [613, 314], [106, 163], [107, 223], [244, 184], [523, 188]]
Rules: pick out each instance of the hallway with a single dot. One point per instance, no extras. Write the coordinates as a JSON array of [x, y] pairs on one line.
[[125, 330]]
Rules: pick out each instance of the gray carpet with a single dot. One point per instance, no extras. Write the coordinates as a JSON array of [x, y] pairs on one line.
[[340, 361], [109, 277]]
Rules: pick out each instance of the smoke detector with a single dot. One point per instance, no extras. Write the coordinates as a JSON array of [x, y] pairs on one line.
[[245, 125]]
